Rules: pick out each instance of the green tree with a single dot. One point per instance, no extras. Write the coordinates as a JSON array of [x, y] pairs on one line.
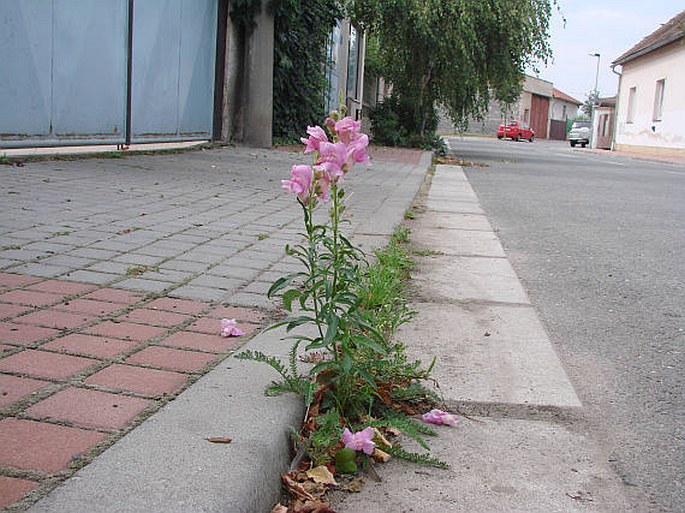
[[454, 53], [588, 106]]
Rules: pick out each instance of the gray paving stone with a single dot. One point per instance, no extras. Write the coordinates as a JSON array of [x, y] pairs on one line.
[[184, 265], [38, 269], [68, 261], [225, 283], [200, 293], [142, 284], [251, 300], [96, 278], [138, 259]]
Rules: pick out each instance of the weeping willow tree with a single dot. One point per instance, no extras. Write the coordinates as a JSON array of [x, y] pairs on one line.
[[455, 53]]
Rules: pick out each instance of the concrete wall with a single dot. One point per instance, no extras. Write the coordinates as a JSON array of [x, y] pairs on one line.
[[645, 133], [556, 109]]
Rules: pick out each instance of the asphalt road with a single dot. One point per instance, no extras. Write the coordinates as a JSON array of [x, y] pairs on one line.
[[598, 241]]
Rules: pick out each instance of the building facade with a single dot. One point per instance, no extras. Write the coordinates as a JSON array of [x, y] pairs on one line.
[[650, 108]]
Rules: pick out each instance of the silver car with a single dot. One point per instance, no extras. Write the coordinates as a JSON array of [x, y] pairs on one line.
[[580, 133]]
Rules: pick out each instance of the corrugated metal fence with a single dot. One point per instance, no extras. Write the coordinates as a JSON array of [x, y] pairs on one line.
[[106, 71]]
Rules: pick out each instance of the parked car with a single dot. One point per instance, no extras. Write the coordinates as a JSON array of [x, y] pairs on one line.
[[580, 133], [516, 130]]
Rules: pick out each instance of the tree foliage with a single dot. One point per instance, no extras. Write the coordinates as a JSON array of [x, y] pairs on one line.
[[455, 53]]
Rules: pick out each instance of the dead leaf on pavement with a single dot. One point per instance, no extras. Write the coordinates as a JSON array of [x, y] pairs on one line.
[[322, 475], [219, 440], [279, 508]]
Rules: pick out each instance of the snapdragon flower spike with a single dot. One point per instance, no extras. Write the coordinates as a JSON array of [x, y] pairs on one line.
[[439, 417], [347, 129], [359, 441], [229, 328]]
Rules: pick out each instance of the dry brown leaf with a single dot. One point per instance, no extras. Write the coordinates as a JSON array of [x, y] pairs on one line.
[[311, 507], [354, 486], [322, 475], [296, 488], [381, 456], [219, 440], [279, 508], [378, 436]]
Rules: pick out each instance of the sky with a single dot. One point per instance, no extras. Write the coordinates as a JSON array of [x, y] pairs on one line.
[[607, 27]]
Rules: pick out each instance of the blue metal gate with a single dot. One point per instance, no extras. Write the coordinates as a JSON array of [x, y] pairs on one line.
[[65, 79]]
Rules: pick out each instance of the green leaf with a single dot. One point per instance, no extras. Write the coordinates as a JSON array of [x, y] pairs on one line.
[[288, 298]]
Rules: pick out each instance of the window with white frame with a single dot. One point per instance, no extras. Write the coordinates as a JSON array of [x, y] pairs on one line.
[[632, 93], [659, 99], [353, 65]]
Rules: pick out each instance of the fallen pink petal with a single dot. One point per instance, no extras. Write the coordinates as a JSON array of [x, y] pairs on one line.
[[440, 417], [229, 328], [359, 441]]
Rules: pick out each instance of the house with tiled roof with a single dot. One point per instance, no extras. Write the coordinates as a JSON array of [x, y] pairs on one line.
[[650, 109], [562, 108]]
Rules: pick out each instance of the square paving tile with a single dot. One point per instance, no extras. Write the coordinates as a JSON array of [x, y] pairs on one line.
[[173, 359], [22, 334], [126, 297], [89, 306], [90, 408], [13, 388], [201, 341], [184, 306], [13, 490], [16, 280], [155, 317], [126, 331], [150, 382], [30, 298], [90, 345], [55, 319], [29, 445], [42, 364], [61, 287]]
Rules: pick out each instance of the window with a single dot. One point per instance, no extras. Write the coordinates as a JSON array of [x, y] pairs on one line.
[[353, 65], [604, 125], [563, 114], [630, 118], [659, 99]]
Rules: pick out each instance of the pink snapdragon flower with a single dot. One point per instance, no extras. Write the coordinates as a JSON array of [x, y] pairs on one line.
[[347, 129], [317, 135], [333, 158], [359, 441], [230, 329], [439, 417], [356, 151], [300, 182]]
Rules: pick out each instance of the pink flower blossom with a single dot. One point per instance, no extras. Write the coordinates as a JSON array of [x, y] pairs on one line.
[[317, 135], [300, 182], [359, 441], [230, 329], [333, 157], [356, 151], [347, 129], [439, 417]]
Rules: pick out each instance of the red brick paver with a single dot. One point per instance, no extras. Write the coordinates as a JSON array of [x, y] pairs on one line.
[[90, 408], [13, 388], [21, 334], [7, 311], [42, 364], [212, 343], [89, 306], [55, 319], [155, 317], [149, 382], [30, 298], [90, 345], [16, 280], [13, 489], [69, 288], [185, 306], [126, 331], [173, 359], [30, 445], [124, 297]]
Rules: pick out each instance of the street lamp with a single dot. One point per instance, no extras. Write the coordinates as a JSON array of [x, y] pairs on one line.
[[597, 73]]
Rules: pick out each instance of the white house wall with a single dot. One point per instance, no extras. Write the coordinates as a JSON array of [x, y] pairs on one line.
[[644, 133]]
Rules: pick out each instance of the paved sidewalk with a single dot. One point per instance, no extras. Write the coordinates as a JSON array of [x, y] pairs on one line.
[[114, 275]]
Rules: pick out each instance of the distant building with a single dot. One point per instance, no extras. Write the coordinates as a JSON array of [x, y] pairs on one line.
[[540, 105], [651, 99], [603, 121]]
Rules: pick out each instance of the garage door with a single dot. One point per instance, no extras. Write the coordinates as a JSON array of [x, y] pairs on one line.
[[64, 77]]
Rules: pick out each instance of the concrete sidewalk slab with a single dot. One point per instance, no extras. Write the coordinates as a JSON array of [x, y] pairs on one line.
[[488, 354], [498, 465]]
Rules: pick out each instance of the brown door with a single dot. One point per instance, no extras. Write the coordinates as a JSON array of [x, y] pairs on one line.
[[539, 112], [557, 130], [605, 130]]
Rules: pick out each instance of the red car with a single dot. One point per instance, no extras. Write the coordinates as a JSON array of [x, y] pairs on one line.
[[516, 130]]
